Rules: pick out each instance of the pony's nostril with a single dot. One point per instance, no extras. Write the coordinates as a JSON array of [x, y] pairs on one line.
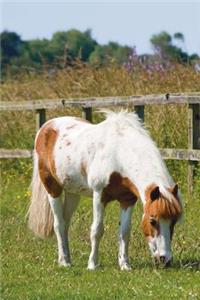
[[168, 264], [165, 263], [162, 259]]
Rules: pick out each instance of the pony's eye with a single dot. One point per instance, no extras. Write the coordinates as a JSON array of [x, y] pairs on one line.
[[153, 221]]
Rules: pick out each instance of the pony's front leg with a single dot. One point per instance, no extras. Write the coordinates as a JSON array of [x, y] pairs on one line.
[[124, 235], [59, 229], [97, 229]]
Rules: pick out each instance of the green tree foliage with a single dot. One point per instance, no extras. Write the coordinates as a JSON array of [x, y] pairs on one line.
[[112, 52], [80, 44], [11, 46], [73, 43], [179, 36], [40, 52], [65, 47], [163, 45]]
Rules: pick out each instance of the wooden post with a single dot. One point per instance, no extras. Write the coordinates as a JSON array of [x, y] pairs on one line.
[[140, 111], [87, 113], [40, 118], [193, 139]]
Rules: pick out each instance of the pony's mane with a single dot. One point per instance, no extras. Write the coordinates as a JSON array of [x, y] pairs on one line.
[[169, 206], [122, 113], [124, 119], [166, 207]]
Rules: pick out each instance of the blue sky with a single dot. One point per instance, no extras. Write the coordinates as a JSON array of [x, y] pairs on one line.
[[127, 22]]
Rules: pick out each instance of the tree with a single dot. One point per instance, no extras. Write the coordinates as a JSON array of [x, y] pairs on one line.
[[98, 56], [179, 36], [39, 52], [161, 40], [76, 43], [113, 52], [59, 42], [11, 46], [163, 45]]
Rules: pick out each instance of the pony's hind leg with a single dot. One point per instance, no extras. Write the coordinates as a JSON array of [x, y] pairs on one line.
[[124, 235], [70, 204], [59, 229], [96, 229]]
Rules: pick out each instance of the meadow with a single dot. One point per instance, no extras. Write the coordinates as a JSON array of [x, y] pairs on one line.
[[29, 267]]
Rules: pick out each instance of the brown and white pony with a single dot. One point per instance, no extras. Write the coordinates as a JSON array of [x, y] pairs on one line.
[[113, 160]]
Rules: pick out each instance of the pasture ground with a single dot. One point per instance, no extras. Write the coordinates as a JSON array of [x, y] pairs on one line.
[[29, 267]]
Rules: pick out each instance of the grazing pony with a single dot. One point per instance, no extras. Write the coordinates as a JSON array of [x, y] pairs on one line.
[[113, 160]]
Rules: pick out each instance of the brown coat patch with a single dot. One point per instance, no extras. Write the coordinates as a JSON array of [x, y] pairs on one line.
[[121, 189], [44, 147], [147, 228]]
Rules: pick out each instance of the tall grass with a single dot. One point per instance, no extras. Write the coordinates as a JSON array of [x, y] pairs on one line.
[[114, 80]]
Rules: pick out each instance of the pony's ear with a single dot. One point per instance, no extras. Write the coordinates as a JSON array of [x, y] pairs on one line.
[[175, 190], [155, 193]]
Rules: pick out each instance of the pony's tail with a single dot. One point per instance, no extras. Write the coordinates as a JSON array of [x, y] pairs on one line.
[[40, 217]]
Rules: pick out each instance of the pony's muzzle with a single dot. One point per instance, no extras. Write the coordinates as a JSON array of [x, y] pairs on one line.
[[163, 261]]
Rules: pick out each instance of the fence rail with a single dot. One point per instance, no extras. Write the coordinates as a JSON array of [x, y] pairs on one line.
[[93, 102], [192, 154], [167, 153]]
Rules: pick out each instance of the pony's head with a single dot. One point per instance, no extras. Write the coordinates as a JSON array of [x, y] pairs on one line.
[[162, 210]]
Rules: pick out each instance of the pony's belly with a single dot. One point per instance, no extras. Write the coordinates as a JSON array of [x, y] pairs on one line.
[[75, 187]]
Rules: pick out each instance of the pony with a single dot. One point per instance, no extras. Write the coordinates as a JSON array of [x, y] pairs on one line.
[[112, 160]]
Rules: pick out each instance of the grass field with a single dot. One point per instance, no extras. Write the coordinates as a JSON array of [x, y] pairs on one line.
[[29, 267]]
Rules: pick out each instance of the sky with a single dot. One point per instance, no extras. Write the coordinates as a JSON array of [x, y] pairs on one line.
[[127, 22]]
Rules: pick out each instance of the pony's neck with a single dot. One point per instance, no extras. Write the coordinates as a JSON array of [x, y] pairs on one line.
[[142, 175]]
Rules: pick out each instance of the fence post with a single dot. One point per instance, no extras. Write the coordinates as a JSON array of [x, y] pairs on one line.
[[193, 139], [140, 111], [40, 118], [87, 113]]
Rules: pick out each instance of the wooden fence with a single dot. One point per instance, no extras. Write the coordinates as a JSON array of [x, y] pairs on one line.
[[192, 154]]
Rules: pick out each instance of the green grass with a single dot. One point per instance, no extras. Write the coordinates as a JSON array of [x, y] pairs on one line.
[[29, 265]]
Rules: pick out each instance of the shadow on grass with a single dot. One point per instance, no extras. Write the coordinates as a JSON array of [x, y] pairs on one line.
[[189, 263]]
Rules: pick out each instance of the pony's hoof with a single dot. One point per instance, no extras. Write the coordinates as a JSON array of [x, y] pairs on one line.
[[125, 267], [64, 263], [92, 266]]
